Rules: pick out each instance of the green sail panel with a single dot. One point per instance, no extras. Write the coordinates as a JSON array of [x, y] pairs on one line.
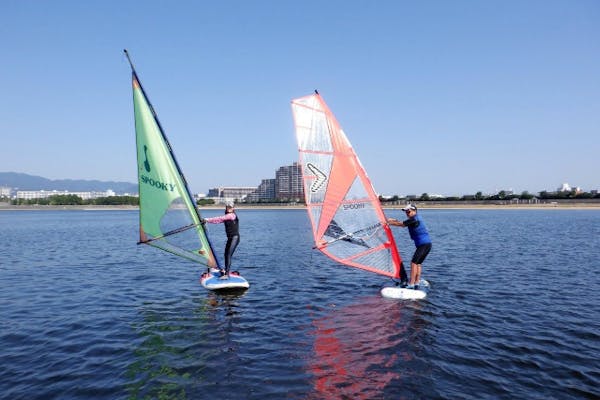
[[169, 219]]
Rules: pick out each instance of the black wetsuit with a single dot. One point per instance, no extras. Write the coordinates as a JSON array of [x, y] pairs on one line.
[[232, 229]]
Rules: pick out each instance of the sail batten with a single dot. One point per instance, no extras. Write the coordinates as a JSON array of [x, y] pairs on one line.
[[348, 223], [169, 219]]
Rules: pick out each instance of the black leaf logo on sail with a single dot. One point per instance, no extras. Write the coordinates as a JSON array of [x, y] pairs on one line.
[[321, 178], [146, 163]]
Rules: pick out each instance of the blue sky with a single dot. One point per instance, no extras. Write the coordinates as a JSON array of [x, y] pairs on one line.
[[439, 97]]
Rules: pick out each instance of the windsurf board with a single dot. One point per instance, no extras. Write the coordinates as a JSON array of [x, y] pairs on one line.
[[212, 281], [403, 293]]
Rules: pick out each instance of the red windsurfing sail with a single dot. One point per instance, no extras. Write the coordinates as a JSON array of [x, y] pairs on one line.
[[346, 216]]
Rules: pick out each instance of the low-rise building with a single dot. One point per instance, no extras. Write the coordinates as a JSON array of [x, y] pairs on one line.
[[44, 194], [222, 195]]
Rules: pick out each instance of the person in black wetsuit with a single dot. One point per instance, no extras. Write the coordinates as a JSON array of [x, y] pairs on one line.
[[232, 229], [420, 235]]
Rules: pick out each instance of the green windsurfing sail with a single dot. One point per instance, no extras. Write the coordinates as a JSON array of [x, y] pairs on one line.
[[169, 219]]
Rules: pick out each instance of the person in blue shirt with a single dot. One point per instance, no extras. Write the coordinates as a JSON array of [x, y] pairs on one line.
[[418, 233]]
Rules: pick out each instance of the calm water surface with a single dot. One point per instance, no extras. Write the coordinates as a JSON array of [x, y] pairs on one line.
[[514, 312]]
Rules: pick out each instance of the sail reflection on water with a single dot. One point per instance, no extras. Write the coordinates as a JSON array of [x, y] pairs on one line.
[[363, 350]]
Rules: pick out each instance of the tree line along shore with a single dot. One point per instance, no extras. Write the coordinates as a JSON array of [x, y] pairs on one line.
[[564, 204], [500, 200]]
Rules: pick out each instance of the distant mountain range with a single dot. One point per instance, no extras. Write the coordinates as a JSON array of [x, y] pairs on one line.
[[20, 181]]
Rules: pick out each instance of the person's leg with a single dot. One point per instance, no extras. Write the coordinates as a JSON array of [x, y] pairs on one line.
[[226, 257], [413, 273], [417, 261], [418, 277], [230, 247]]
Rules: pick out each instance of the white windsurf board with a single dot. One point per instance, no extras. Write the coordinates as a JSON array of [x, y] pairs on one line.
[[212, 281], [397, 292]]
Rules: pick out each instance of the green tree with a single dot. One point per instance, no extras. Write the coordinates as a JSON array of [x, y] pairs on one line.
[[117, 200], [65, 199], [525, 195], [204, 202]]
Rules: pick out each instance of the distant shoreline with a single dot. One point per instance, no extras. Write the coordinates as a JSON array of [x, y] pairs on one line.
[[423, 206]]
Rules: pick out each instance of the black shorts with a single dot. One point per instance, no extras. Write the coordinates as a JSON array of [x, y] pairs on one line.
[[420, 253]]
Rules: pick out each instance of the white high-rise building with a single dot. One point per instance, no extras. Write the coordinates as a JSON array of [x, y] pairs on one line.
[[565, 188], [5, 191]]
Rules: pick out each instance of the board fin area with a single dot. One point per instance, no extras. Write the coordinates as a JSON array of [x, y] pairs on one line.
[[403, 293], [211, 280]]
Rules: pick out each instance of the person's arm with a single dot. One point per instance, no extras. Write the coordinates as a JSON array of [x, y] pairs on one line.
[[411, 222], [395, 222], [406, 223], [220, 218]]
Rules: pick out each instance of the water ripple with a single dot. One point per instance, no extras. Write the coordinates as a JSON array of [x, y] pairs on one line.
[[514, 312]]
